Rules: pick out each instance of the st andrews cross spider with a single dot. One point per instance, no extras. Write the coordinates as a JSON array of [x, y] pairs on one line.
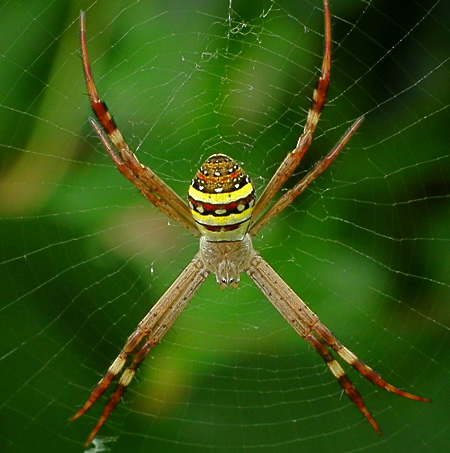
[[224, 213]]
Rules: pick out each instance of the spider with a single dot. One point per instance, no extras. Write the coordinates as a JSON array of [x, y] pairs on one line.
[[223, 212]]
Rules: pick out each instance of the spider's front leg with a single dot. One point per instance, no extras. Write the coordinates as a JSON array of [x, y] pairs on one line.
[[151, 329], [326, 338], [307, 324], [339, 374], [325, 334]]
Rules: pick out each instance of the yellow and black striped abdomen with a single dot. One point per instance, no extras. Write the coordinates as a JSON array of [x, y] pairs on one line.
[[221, 198]]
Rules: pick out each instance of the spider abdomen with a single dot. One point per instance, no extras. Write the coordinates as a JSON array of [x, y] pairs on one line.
[[221, 199]]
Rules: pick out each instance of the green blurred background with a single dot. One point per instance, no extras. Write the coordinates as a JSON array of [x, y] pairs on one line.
[[83, 256]]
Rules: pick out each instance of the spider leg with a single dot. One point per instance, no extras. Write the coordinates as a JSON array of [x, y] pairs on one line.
[[359, 365], [306, 323], [339, 374], [289, 196], [160, 203], [164, 324], [153, 326], [153, 187], [293, 159]]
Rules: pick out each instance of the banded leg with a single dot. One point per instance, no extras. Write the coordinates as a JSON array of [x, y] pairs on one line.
[[293, 193], [325, 334], [293, 159], [153, 187], [307, 324], [153, 326]]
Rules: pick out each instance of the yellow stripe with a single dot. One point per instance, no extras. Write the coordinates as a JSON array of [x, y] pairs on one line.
[[230, 219], [220, 198], [229, 236]]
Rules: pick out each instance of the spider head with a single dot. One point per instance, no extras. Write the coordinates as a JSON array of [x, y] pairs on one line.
[[226, 260], [227, 275]]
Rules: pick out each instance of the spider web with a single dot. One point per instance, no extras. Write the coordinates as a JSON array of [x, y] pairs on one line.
[[83, 256]]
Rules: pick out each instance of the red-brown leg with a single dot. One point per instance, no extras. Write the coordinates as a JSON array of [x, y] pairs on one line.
[[359, 365], [152, 187], [293, 159], [340, 375], [153, 326]]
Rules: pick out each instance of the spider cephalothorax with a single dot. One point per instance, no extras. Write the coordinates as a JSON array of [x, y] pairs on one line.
[[224, 214], [227, 260]]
